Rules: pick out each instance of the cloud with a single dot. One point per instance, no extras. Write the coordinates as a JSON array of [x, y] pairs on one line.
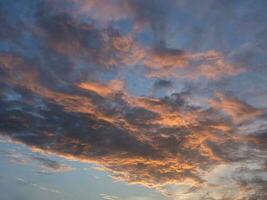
[[211, 65], [108, 197], [39, 187], [74, 84], [152, 14], [238, 110], [51, 166], [115, 86], [163, 84], [108, 48], [44, 165], [162, 56], [140, 140], [161, 87]]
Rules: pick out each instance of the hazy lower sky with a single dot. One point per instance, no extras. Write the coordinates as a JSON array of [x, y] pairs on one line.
[[133, 100]]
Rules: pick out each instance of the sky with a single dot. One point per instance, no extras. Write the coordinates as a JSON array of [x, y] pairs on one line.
[[133, 99]]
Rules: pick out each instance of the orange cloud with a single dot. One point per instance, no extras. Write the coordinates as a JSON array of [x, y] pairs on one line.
[[141, 140], [104, 10], [165, 57], [239, 111], [53, 98], [108, 49], [211, 65], [113, 87]]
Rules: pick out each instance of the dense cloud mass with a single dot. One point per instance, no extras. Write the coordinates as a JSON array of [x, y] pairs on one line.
[[154, 92]]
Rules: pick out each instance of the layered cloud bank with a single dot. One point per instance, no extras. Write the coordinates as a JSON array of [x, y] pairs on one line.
[[111, 82]]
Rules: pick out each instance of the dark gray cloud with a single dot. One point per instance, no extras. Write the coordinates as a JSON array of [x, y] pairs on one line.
[[163, 84]]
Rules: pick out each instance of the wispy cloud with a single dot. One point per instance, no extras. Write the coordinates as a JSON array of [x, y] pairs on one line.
[[39, 187]]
